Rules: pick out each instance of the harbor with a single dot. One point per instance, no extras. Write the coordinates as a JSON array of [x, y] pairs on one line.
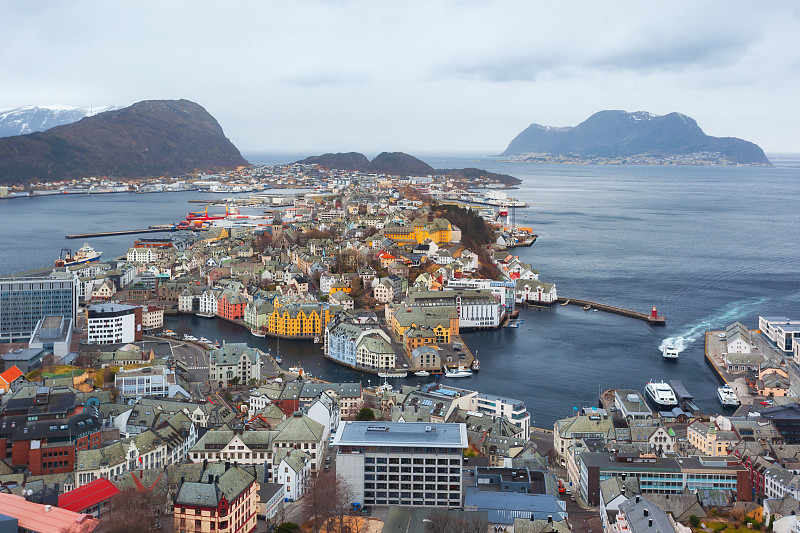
[[152, 229]]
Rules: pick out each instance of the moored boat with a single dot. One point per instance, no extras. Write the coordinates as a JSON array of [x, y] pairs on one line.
[[422, 373], [393, 374], [206, 315], [258, 333], [727, 396], [661, 394], [460, 372], [476, 365]]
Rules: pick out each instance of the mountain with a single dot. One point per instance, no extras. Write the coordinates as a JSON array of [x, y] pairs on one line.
[[30, 118], [396, 163], [150, 138], [615, 134], [346, 161]]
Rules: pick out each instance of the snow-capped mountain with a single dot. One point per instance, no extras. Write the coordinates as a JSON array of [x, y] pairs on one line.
[[30, 118]]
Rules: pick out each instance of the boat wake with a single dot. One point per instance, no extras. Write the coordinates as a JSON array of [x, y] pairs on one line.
[[719, 319]]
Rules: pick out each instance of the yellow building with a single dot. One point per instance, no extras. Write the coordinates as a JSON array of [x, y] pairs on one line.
[[442, 322], [438, 230], [341, 286], [710, 440], [300, 320]]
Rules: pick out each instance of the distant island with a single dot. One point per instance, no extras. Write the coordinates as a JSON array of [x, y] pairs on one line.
[[620, 137], [402, 164], [150, 138]]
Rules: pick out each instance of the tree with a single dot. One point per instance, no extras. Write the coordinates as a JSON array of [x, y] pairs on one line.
[[88, 358], [132, 511], [49, 362], [365, 414], [444, 522], [234, 381], [288, 527], [328, 500], [694, 521]]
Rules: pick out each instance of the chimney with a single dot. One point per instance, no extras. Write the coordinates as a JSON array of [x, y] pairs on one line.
[[549, 518], [228, 465], [650, 523], [637, 498], [646, 512]]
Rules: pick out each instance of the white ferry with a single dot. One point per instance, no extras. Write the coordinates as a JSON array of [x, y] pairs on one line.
[[661, 394], [422, 373], [727, 396], [669, 351]]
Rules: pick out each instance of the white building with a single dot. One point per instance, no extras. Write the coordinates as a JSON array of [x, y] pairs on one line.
[[476, 308], [143, 255], [112, 323], [780, 330], [292, 470], [529, 290], [402, 463], [514, 410], [148, 381], [208, 301], [152, 318]]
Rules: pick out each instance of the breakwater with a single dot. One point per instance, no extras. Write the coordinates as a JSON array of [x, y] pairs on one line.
[[587, 305]]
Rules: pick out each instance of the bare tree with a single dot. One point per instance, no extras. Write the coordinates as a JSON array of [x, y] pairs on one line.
[[132, 511], [88, 358], [316, 502], [444, 522]]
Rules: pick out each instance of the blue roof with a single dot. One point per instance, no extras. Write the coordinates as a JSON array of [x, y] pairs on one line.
[[503, 507]]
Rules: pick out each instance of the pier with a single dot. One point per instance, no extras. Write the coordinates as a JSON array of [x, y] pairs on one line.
[[651, 318], [151, 229]]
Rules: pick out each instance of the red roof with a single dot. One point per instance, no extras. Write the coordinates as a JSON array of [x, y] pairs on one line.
[[88, 496], [11, 375]]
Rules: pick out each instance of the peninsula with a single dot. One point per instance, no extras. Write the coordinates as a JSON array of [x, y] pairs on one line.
[[620, 137]]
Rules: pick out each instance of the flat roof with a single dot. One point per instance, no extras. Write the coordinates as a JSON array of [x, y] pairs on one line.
[[402, 434]]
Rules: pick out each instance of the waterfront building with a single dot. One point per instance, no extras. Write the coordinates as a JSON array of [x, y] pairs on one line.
[[22, 515], [301, 321], [112, 323], [223, 497], [231, 305], [208, 301], [737, 363], [152, 318], [189, 299], [148, 381], [256, 313], [374, 350], [25, 301], [567, 430], [503, 291], [664, 475], [499, 406], [782, 331], [475, 308], [535, 291], [234, 361], [390, 463], [738, 339], [633, 408]]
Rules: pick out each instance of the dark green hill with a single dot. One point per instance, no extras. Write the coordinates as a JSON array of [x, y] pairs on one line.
[[150, 138], [341, 161], [612, 134]]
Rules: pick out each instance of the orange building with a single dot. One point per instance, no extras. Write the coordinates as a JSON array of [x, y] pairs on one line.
[[231, 305]]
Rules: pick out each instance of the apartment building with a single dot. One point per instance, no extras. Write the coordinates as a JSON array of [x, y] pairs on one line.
[[25, 301]]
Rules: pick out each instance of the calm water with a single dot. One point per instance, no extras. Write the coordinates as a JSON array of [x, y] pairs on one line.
[[707, 246]]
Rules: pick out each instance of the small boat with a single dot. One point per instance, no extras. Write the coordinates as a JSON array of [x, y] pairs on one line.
[[586, 307], [205, 341], [188, 337], [669, 351], [385, 386], [206, 315], [476, 365], [422, 373], [594, 310], [460, 372], [727, 396], [296, 369], [258, 333], [216, 345], [169, 333], [279, 360]]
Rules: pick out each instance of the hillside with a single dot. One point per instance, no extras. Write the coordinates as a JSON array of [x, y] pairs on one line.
[[394, 163], [475, 173], [28, 119], [150, 138], [617, 134]]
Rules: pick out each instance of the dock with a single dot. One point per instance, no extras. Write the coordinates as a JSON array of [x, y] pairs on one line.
[[652, 318], [151, 229]]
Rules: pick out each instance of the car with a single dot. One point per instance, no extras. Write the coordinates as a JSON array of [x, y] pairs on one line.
[[767, 402], [327, 468], [328, 460], [572, 497]]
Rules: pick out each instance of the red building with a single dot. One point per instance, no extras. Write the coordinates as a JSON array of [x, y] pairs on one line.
[[231, 305], [91, 498]]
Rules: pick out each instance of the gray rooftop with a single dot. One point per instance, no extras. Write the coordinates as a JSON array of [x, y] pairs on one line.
[[401, 434]]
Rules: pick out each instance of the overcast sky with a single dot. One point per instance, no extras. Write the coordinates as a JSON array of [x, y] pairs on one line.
[[428, 76]]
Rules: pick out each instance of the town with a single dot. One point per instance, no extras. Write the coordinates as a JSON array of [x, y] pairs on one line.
[[110, 421]]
